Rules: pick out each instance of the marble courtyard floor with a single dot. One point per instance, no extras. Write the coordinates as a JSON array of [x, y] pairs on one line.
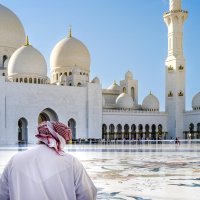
[[140, 172]]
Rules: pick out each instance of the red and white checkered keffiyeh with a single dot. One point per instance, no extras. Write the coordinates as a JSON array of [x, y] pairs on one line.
[[54, 135]]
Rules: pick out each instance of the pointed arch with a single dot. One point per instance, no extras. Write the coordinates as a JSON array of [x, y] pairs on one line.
[[119, 131], [124, 89], [153, 130], [104, 131], [147, 131], [133, 131], [5, 57], [72, 126], [133, 93], [126, 131], [140, 128], [47, 114], [23, 130]]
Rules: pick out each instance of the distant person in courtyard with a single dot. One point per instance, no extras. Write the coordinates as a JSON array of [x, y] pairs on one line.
[[46, 172], [177, 141]]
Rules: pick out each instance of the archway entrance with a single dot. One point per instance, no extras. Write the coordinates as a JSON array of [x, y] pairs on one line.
[[153, 132], [72, 126], [160, 132], [119, 132], [147, 131], [104, 131], [22, 131], [47, 115], [126, 131], [140, 128], [111, 131], [133, 131]]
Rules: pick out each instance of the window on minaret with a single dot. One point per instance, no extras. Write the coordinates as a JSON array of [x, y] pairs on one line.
[[4, 59], [124, 90], [133, 93]]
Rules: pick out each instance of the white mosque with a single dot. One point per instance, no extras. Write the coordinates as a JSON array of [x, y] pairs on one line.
[[28, 96]]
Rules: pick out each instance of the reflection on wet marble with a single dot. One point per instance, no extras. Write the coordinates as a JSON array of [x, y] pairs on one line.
[[136, 172]]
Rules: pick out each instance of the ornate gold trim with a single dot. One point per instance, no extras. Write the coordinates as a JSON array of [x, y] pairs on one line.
[[180, 68], [170, 68], [180, 94], [70, 32], [170, 94], [27, 41]]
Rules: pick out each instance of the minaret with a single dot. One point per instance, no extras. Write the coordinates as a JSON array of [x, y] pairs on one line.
[[175, 69]]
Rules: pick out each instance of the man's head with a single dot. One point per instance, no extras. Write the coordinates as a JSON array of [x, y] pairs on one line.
[[47, 127], [54, 135]]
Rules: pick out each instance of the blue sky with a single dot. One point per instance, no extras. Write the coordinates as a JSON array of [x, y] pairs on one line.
[[121, 35]]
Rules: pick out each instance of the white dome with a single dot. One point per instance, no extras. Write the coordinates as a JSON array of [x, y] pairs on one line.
[[114, 86], [11, 31], [70, 52], [196, 102], [124, 101], [27, 61], [96, 80], [150, 102], [128, 75]]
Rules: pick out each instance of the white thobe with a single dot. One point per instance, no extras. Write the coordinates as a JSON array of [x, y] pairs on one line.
[[41, 174]]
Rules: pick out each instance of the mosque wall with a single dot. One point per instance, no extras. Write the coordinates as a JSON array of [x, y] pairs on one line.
[[135, 117], [192, 121], [23, 100], [94, 110], [24, 105], [3, 137]]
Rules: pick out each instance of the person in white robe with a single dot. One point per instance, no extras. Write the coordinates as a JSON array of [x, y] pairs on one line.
[[46, 172]]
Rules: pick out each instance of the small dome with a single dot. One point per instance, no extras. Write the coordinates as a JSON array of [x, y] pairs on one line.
[[11, 31], [70, 52], [114, 86], [196, 102], [96, 80], [150, 102], [27, 61], [124, 101], [128, 75]]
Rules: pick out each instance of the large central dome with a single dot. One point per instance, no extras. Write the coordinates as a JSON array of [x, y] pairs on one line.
[[70, 52], [11, 30]]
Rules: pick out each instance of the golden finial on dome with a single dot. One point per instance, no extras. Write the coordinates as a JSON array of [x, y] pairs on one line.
[[70, 32], [27, 41]]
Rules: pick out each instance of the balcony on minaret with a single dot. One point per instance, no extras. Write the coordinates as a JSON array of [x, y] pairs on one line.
[[175, 6], [176, 11]]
